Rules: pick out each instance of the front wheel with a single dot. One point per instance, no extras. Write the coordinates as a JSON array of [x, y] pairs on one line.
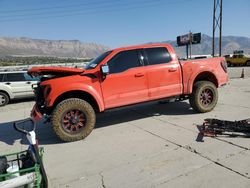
[[73, 119], [248, 63], [204, 97]]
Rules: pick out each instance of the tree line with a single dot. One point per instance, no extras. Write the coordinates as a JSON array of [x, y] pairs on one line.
[[33, 60]]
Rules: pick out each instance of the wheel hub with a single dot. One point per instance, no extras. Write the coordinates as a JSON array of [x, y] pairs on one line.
[[206, 97], [73, 121]]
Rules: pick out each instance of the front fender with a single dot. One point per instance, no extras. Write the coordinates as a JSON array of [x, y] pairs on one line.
[[95, 93]]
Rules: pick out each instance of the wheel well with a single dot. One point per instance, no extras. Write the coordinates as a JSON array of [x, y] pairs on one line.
[[206, 76], [5, 93], [78, 94]]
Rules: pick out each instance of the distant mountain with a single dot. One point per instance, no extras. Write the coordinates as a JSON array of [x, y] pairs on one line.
[[77, 49], [55, 48], [229, 44]]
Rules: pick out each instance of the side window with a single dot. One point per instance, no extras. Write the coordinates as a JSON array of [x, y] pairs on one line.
[[1, 77], [124, 61], [157, 55], [14, 77]]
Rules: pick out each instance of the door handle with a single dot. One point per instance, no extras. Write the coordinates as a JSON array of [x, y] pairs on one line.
[[172, 70], [139, 74], [7, 83], [28, 82]]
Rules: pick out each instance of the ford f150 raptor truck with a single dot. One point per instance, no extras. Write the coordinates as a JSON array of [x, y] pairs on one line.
[[71, 97]]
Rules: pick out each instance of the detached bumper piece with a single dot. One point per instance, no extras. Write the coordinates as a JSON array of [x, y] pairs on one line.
[[36, 114], [215, 127]]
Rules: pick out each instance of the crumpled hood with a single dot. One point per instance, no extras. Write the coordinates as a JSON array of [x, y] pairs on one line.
[[55, 70]]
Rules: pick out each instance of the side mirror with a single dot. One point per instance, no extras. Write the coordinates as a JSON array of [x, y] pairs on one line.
[[105, 69]]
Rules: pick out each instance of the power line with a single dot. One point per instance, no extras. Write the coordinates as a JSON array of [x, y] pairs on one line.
[[80, 8], [57, 7], [127, 6]]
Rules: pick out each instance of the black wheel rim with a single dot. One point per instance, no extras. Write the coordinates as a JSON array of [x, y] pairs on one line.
[[73, 121], [206, 97], [2, 99]]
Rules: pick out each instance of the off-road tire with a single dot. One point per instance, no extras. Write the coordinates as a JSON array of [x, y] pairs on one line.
[[5, 97], [71, 104], [248, 63], [229, 64], [195, 98]]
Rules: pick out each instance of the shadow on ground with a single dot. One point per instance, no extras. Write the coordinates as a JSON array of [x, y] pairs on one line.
[[46, 135], [141, 111], [22, 100]]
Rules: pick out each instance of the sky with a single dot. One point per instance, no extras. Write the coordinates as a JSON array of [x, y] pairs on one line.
[[117, 23]]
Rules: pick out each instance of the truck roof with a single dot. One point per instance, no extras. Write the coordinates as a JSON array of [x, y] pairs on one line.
[[144, 46]]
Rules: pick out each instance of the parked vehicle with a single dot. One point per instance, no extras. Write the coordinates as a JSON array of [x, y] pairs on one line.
[[70, 97], [15, 85], [238, 60]]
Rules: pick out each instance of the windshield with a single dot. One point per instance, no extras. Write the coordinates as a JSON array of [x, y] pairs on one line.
[[92, 64]]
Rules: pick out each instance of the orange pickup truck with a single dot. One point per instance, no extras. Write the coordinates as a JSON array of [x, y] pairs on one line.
[[71, 97]]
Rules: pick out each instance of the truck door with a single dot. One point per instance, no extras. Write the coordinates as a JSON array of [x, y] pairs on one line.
[[126, 82], [164, 74], [236, 59], [241, 60]]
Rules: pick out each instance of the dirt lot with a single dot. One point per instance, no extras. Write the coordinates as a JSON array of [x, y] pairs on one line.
[[150, 145]]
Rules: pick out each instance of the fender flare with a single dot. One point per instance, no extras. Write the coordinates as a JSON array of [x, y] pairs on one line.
[[193, 77]]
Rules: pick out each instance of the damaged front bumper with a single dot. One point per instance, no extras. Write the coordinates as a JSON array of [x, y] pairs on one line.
[[36, 115]]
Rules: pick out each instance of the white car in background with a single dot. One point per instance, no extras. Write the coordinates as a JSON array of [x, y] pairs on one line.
[[15, 85]]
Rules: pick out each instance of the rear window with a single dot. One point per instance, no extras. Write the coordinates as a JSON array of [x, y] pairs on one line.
[[1, 77], [14, 77], [157, 55]]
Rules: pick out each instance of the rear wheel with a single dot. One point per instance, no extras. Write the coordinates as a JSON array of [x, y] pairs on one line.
[[204, 97], [229, 64], [248, 63], [73, 119], [4, 99]]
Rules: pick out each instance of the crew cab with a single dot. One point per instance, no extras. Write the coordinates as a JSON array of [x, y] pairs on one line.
[[71, 97]]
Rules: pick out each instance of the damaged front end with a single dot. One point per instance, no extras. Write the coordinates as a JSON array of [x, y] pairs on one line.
[[42, 90], [39, 110]]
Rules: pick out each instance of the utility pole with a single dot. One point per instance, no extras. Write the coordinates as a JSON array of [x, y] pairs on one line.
[[217, 24], [191, 40]]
